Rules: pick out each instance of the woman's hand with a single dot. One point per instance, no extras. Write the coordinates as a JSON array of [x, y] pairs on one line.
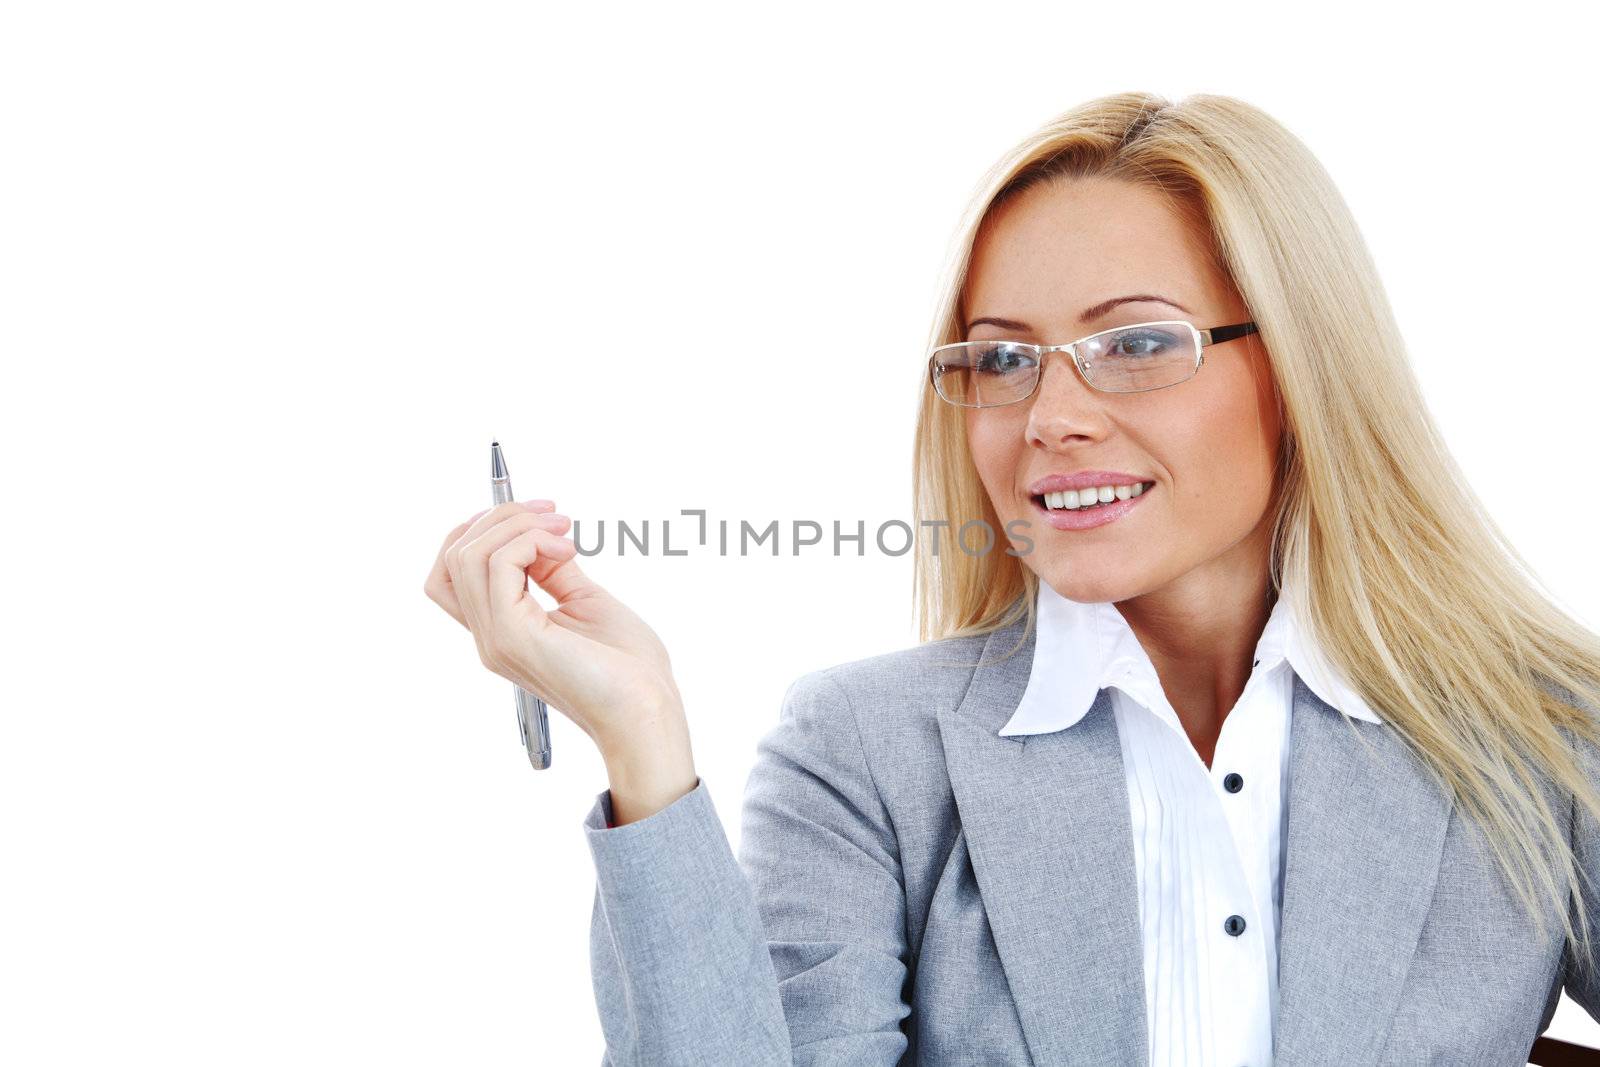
[[591, 658]]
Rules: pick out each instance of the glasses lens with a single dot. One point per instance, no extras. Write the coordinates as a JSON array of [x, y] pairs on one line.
[[1135, 358], [985, 373]]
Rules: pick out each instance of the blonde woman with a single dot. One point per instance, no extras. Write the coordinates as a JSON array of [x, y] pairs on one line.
[[1249, 741]]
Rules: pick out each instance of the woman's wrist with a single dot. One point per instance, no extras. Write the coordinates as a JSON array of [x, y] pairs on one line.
[[650, 768]]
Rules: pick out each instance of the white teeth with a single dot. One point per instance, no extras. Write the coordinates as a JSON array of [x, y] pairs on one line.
[[1103, 494]]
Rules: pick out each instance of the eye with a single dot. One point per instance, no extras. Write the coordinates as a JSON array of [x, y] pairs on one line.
[[1141, 344], [1002, 358]]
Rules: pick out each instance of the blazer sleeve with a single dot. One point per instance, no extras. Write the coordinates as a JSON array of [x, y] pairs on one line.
[[796, 952], [1583, 983]]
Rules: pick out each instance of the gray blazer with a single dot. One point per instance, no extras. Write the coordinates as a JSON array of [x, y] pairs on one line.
[[913, 888]]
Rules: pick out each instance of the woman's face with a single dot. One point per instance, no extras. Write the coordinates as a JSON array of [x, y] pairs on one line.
[[1208, 445]]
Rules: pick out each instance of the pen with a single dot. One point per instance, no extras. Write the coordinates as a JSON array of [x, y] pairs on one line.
[[531, 717]]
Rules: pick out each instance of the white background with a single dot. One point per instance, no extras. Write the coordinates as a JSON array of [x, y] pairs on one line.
[[273, 274]]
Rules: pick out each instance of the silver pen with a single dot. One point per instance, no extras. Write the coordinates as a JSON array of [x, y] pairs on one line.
[[531, 717]]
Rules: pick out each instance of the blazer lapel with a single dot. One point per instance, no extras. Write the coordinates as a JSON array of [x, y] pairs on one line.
[[1047, 828], [1048, 831], [1366, 835]]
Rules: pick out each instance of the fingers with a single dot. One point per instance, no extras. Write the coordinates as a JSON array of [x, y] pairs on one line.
[[557, 573], [439, 586], [468, 560], [483, 520], [546, 557]]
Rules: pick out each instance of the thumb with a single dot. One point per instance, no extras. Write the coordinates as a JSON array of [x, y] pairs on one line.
[[556, 570]]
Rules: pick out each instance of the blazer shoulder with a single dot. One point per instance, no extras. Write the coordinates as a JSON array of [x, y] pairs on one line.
[[920, 678]]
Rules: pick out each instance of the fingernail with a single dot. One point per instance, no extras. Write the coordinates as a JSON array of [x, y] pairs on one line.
[[538, 505]]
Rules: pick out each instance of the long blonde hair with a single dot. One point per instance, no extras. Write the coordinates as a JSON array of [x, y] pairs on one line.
[[1415, 594]]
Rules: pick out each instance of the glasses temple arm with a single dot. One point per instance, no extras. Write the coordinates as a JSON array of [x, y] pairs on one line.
[[1219, 334]]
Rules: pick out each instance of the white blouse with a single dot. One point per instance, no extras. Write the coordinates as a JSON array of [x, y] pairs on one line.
[[1208, 843]]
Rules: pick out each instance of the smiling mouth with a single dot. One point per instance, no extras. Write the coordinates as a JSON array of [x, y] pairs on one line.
[[1080, 500]]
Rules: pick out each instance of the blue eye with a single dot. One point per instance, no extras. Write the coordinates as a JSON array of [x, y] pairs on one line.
[[1142, 344], [1003, 359]]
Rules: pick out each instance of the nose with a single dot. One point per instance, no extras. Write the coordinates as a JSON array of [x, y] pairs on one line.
[[1063, 406]]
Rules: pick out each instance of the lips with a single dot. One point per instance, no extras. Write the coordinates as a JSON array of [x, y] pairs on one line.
[[1055, 483], [1088, 518]]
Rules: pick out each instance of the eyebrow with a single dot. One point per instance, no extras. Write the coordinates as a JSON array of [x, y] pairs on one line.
[[1088, 314]]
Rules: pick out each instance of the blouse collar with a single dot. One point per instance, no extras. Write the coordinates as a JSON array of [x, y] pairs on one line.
[[1081, 648]]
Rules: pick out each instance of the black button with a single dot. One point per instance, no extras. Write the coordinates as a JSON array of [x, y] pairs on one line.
[[1233, 783], [1234, 925], [1257, 663]]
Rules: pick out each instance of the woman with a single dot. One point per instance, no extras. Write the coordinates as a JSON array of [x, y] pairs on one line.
[[1249, 741]]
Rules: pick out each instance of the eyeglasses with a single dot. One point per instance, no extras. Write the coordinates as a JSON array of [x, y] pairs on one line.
[[1128, 359]]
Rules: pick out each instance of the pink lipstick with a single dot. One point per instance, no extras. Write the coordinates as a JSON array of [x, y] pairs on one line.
[[1089, 516]]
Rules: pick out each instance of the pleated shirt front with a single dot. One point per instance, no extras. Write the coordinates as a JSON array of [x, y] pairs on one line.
[[1208, 842]]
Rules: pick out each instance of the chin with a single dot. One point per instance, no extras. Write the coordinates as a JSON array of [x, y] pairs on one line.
[[1088, 585]]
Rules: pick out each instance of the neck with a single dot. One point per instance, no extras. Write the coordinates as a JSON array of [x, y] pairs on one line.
[[1200, 632]]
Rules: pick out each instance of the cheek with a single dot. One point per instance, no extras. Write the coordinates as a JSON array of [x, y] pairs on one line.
[[1222, 451], [995, 440]]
